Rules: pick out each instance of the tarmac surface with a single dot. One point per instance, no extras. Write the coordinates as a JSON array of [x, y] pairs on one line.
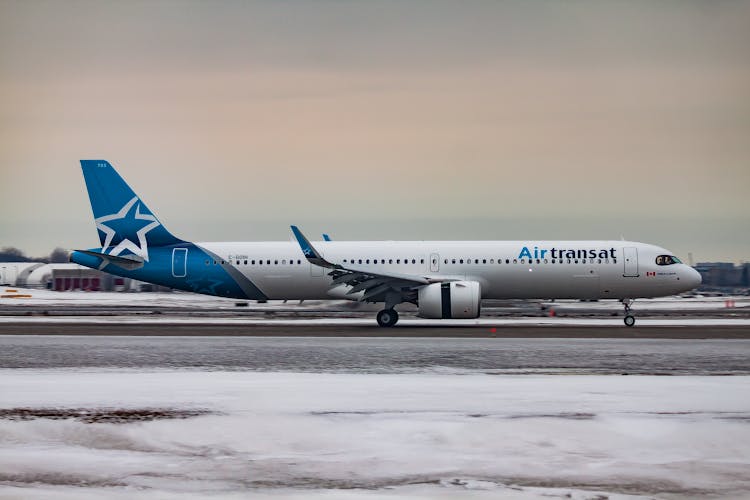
[[80, 313], [305, 329]]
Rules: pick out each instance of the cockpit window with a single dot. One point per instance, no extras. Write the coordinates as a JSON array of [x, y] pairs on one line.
[[665, 260]]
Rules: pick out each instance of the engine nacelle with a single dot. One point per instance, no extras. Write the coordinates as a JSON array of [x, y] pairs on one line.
[[454, 299]]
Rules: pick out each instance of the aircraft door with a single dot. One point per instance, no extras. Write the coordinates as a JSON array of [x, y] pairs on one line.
[[630, 261], [434, 263], [179, 262]]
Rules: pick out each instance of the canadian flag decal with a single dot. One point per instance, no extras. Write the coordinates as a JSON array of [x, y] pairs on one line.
[[651, 273]]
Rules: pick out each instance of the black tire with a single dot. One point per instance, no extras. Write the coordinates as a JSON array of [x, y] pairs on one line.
[[387, 318], [629, 320]]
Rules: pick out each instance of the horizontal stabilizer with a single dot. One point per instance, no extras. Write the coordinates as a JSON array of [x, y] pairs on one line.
[[129, 262]]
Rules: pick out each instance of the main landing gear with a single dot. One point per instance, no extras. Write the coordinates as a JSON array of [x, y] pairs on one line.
[[387, 317], [629, 318]]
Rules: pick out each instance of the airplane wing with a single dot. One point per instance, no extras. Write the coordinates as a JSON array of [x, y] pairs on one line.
[[376, 286]]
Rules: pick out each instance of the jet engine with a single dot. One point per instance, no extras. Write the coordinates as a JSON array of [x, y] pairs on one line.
[[453, 299]]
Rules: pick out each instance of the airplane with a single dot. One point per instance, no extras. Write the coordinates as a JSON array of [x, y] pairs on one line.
[[444, 279]]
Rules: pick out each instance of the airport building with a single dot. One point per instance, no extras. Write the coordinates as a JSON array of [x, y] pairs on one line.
[[62, 277], [724, 275]]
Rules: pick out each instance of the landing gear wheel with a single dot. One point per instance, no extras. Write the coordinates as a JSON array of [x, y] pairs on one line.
[[387, 317], [629, 318]]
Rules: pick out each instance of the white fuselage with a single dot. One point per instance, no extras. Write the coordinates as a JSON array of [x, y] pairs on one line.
[[504, 269]]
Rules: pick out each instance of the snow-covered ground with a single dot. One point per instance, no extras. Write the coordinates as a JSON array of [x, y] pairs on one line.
[[156, 299], [290, 435]]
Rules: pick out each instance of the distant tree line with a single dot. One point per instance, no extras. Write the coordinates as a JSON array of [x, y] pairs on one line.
[[12, 254]]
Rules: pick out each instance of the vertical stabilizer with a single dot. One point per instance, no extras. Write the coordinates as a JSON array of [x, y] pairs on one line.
[[125, 224]]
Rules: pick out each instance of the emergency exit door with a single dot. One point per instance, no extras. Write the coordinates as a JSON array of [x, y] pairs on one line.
[[434, 263]]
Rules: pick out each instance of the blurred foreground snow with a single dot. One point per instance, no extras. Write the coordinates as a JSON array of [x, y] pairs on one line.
[[289, 435]]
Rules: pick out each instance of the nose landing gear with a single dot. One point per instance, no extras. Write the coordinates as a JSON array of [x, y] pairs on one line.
[[629, 318]]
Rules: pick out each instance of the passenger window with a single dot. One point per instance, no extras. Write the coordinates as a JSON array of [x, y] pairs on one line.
[[421, 261], [507, 261], [468, 261], [446, 261], [461, 261], [390, 261], [492, 261], [208, 262], [515, 261], [453, 261]]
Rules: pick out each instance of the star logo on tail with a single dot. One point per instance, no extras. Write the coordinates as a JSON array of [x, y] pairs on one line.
[[122, 228]]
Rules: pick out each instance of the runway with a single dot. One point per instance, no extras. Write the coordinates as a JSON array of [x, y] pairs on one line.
[[359, 328], [582, 356], [178, 314]]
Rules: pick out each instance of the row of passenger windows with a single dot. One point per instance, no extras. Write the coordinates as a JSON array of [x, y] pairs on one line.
[[485, 261], [260, 262], [292, 262], [531, 261], [382, 261]]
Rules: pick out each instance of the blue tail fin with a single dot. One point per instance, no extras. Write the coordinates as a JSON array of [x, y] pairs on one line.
[[125, 224]]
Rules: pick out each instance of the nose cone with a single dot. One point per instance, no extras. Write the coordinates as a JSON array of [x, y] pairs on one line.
[[693, 278]]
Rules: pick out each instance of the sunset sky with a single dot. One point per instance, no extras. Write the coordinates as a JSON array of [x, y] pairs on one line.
[[383, 119]]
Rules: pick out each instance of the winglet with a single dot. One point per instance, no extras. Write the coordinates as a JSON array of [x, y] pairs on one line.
[[326, 237], [309, 251]]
